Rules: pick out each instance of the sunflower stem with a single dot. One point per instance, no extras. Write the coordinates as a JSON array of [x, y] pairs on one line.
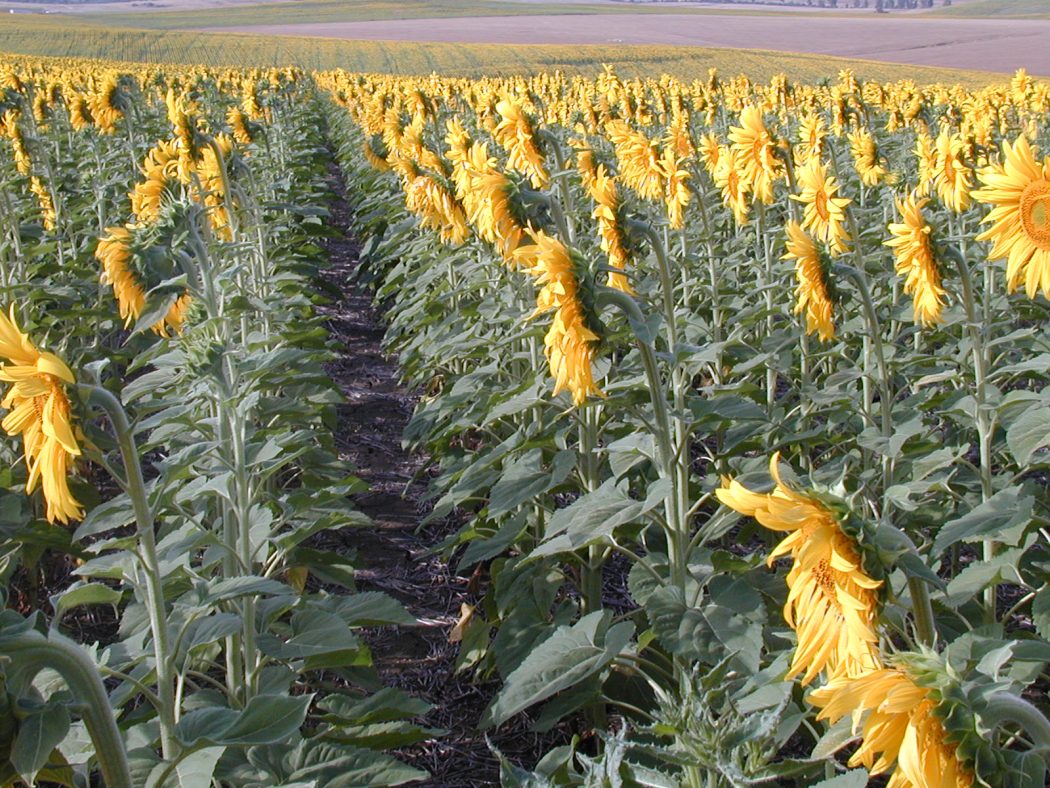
[[985, 425], [58, 653], [1005, 707], [677, 540], [871, 317], [135, 487]]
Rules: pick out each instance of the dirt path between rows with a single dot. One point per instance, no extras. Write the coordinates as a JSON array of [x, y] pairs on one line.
[[393, 553]]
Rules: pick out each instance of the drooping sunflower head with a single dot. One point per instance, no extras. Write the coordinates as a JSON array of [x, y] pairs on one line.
[[814, 292], [241, 126], [121, 261], [79, 108], [44, 200], [812, 131], [571, 343], [39, 410], [516, 133], [609, 214], [729, 177], [437, 207], [676, 188], [710, 151], [1019, 191], [913, 253], [832, 601], [108, 104], [161, 182], [902, 726], [926, 158]]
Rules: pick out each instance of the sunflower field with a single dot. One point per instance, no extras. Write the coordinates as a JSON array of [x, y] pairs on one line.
[[734, 395]]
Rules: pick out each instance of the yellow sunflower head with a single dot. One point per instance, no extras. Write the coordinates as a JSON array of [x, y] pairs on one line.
[[813, 291], [901, 729], [914, 260], [39, 410], [1019, 191], [832, 602], [824, 212]]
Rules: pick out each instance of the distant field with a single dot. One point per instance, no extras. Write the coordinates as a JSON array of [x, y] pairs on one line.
[[48, 35], [323, 11], [996, 45], [996, 9]]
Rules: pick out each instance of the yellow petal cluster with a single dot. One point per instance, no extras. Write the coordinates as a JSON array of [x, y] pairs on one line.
[[901, 728], [39, 411], [831, 603], [824, 212], [515, 133], [756, 150], [1019, 190], [114, 253], [570, 346], [914, 260], [812, 293]]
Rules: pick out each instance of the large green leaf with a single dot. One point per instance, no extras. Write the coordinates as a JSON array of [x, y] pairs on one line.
[[1002, 517], [567, 657], [266, 719]]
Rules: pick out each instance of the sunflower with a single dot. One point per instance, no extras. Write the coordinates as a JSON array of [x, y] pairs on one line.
[[161, 170], [585, 166], [570, 344], [813, 292], [516, 134], [239, 124], [913, 253], [731, 182], [38, 409], [832, 602], [1019, 189], [47, 205], [107, 104], [866, 157], [676, 191], [757, 153], [13, 132], [902, 727], [952, 178], [639, 160], [485, 193], [823, 210], [812, 131], [607, 213], [115, 253], [210, 170], [710, 152], [80, 112], [437, 208], [926, 158]]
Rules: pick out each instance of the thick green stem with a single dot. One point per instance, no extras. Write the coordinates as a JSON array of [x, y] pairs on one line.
[[677, 536], [922, 612], [984, 423], [1003, 707], [885, 385], [135, 486], [69, 660]]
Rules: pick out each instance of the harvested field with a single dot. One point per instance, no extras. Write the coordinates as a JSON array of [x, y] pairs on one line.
[[991, 45]]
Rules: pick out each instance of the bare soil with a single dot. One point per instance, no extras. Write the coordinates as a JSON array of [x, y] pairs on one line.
[[986, 44], [394, 554]]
